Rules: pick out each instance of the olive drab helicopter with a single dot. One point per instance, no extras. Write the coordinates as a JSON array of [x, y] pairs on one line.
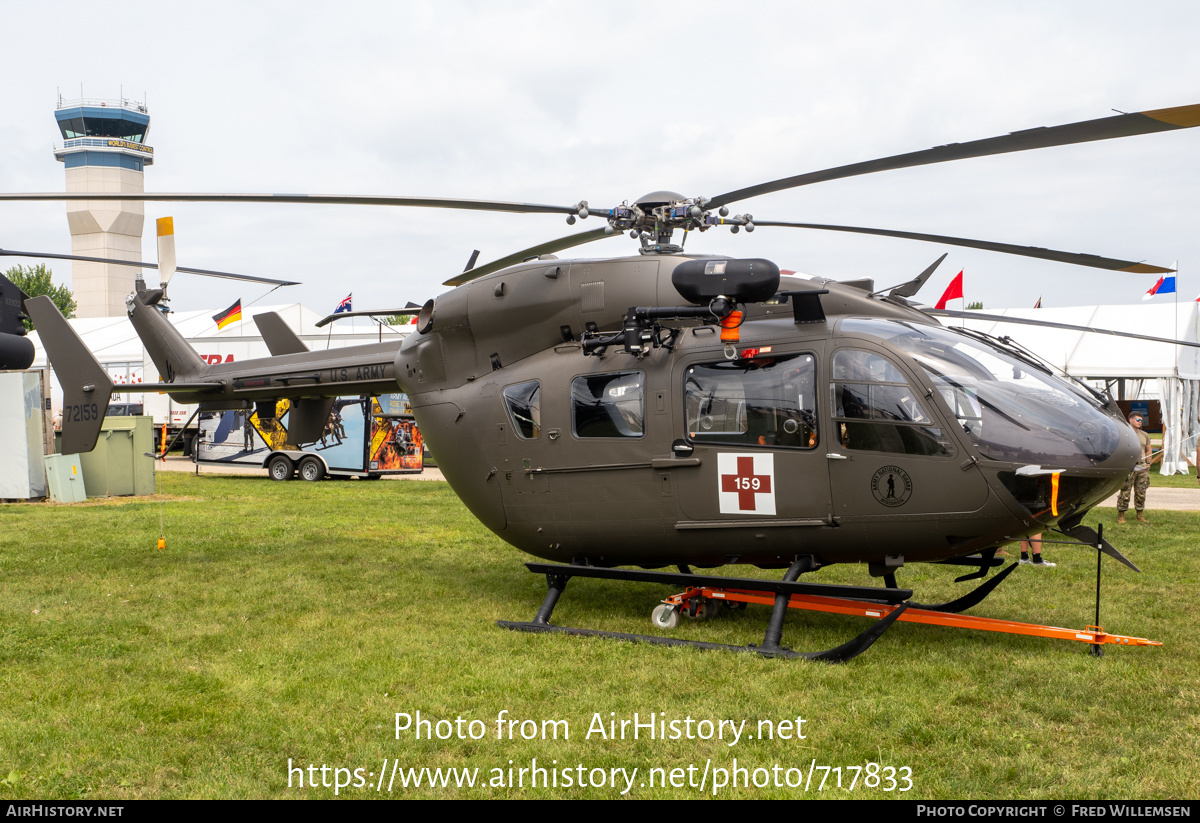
[[16, 350], [621, 416]]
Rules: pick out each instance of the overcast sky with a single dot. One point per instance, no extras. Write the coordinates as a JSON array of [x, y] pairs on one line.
[[555, 102]]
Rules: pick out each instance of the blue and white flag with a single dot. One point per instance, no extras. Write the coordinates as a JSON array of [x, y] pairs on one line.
[[1165, 285], [345, 304]]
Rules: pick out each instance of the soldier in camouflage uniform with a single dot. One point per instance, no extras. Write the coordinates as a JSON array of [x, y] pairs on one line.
[[1139, 479]]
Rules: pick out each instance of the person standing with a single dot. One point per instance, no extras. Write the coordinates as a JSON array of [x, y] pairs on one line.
[[1034, 544], [1139, 478]]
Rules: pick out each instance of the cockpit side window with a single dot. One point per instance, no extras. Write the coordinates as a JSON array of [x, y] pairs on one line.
[[760, 402], [524, 403], [876, 409], [608, 405], [1009, 410]]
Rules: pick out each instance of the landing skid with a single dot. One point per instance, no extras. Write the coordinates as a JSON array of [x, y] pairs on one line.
[[703, 595], [780, 594], [961, 604]]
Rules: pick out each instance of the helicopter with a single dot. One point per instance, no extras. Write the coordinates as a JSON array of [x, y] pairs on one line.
[[616, 416], [16, 350]]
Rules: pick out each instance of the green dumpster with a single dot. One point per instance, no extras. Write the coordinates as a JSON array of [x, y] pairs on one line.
[[119, 464]]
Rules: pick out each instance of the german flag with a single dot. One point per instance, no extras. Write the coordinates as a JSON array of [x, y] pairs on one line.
[[230, 315]]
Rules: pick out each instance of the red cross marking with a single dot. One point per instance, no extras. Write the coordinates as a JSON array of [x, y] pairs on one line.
[[746, 483]]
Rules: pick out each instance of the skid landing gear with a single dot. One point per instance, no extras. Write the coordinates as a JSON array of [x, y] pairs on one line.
[[780, 594], [704, 594], [961, 604]]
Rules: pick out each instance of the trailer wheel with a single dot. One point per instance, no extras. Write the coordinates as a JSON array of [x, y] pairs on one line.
[[311, 469], [280, 468]]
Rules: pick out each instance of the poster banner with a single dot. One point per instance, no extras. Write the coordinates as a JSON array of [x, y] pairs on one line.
[[387, 441]]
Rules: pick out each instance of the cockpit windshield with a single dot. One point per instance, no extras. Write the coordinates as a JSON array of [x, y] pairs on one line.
[[1009, 410]]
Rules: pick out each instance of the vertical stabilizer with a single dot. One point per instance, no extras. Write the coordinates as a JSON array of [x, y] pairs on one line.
[[86, 386], [278, 335], [174, 358]]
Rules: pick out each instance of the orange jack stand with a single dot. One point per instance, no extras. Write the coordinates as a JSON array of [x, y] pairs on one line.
[[839, 605]]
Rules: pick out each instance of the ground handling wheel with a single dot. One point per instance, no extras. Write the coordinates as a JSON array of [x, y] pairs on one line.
[[280, 468], [311, 469], [702, 608], [665, 617]]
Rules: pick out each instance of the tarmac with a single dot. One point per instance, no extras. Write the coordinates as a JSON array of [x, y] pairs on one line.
[[1176, 500], [1170, 499]]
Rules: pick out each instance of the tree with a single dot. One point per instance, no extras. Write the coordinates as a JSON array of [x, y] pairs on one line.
[[975, 306], [36, 281]]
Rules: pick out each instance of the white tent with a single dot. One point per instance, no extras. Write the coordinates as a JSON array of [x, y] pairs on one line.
[[1170, 372]]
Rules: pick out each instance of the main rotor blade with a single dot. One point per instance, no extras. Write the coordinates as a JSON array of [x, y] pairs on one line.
[[1105, 128], [143, 265], [1021, 321], [533, 251], [1092, 260], [323, 199]]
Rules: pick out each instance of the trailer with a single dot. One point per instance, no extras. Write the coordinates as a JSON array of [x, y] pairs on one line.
[[365, 437]]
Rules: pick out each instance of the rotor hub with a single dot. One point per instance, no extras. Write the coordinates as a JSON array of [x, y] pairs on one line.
[[654, 217]]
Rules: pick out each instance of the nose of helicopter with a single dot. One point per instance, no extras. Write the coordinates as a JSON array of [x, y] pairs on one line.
[[1051, 495], [1127, 453]]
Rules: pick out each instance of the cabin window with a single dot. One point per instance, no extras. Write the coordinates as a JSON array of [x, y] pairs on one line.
[[524, 403], [876, 409], [608, 405], [766, 401], [1010, 408]]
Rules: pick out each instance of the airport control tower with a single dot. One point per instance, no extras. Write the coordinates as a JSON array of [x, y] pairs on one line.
[[104, 149]]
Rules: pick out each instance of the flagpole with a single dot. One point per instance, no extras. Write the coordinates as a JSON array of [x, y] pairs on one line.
[[1176, 412]]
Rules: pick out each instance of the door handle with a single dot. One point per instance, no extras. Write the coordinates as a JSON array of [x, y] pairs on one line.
[[837, 457]]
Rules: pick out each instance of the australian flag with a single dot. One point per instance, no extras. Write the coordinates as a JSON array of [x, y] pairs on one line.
[[344, 305]]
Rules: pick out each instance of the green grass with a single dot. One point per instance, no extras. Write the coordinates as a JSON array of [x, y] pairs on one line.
[[294, 620], [1174, 481]]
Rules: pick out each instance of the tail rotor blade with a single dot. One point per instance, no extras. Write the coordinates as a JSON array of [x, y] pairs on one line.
[[166, 250]]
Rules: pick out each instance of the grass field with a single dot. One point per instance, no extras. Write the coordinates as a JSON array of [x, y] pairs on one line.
[[1174, 481], [292, 621]]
